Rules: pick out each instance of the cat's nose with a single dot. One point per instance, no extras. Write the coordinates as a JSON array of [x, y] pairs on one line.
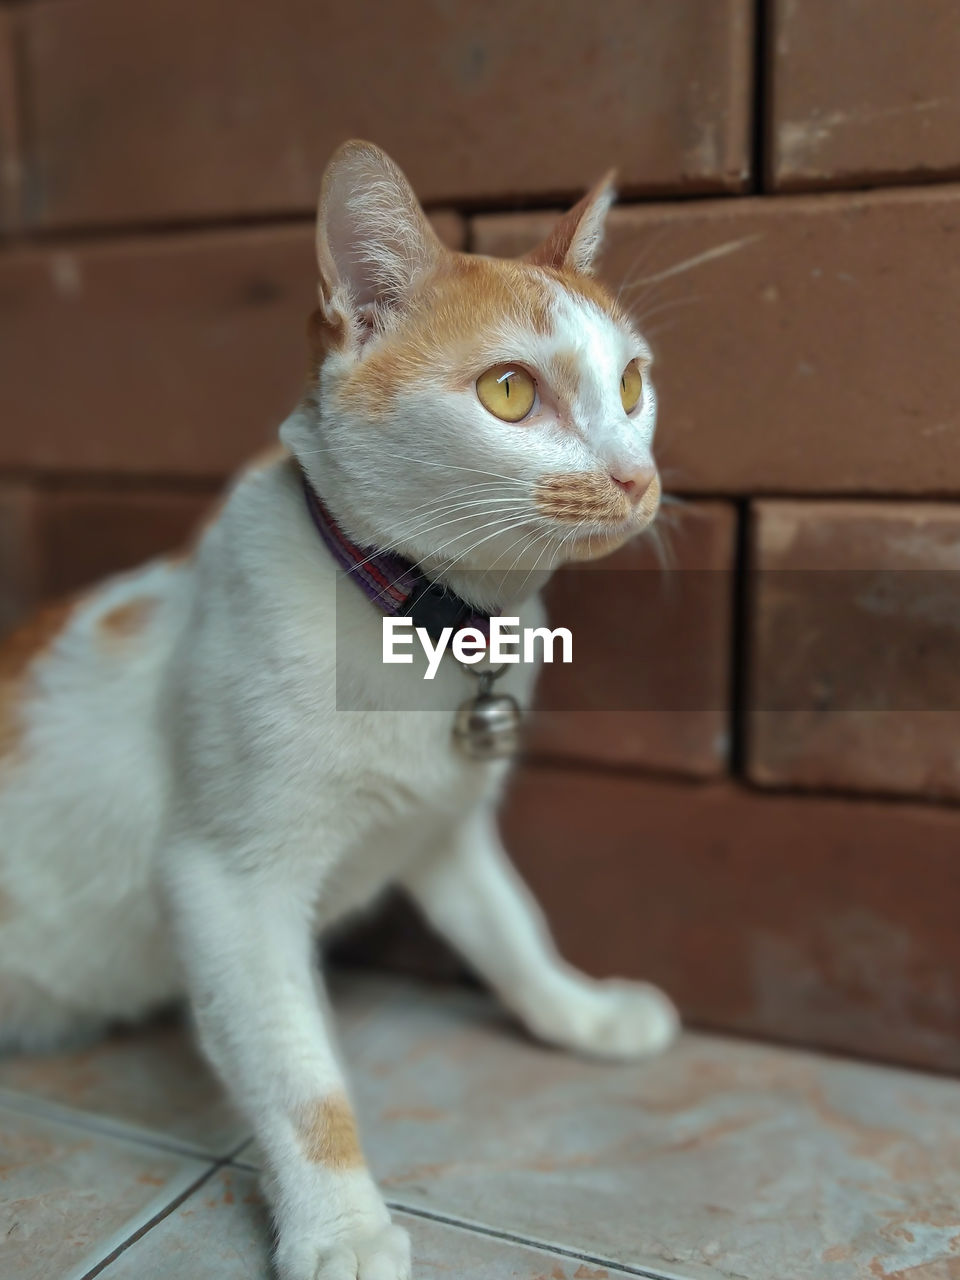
[[634, 481]]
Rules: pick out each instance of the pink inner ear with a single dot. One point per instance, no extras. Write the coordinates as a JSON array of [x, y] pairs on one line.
[[372, 235], [348, 249]]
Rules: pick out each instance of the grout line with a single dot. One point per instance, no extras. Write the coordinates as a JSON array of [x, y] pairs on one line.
[[510, 1237], [77, 237], [54, 480], [761, 162], [157, 1218], [738, 711], [543, 758], [22, 140], [821, 794], [106, 1126], [30, 236], [825, 792]]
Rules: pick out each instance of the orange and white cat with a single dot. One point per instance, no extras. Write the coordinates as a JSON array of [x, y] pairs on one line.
[[183, 805]]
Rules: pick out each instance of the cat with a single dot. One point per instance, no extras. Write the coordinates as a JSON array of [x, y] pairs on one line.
[[184, 802]]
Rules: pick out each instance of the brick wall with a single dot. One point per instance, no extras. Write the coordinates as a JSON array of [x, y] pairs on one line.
[[773, 832]]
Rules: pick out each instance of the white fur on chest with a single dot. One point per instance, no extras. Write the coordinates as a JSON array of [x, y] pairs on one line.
[[342, 759]]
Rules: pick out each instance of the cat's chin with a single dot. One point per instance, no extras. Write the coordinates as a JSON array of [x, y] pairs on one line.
[[595, 546]]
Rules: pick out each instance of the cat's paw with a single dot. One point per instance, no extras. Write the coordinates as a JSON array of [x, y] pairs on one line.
[[612, 1019], [377, 1255]]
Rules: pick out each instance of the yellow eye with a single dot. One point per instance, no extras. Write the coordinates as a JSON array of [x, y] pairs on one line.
[[507, 392], [631, 386]]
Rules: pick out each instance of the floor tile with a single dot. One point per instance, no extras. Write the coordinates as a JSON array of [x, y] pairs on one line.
[[222, 1231], [69, 1196], [721, 1158], [151, 1080]]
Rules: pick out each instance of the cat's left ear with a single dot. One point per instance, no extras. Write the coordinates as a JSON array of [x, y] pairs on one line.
[[373, 240], [575, 240]]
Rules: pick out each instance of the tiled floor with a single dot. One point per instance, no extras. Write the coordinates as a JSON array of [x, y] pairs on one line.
[[504, 1159]]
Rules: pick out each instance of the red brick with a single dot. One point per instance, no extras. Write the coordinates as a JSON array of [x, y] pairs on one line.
[[864, 92], [9, 127], [855, 632], [83, 536], [17, 567], [652, 651], [55, 542], [805, 344], [823, 921], [204, 108], [177, 355]]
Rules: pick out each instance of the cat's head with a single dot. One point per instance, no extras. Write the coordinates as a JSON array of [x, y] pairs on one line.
[[472, 413]]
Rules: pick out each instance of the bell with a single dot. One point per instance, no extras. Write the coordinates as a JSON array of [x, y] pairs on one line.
[[488, 727]]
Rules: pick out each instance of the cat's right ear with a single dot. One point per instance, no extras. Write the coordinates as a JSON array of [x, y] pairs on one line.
[[373, 240], [574, 242]]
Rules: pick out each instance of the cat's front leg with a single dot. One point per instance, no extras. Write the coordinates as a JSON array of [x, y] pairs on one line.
[[472, 896], [246, 941]]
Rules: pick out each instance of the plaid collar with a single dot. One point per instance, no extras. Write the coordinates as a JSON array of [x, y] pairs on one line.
[[393, 584]]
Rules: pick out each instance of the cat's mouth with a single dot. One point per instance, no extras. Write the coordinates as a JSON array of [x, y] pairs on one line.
[[597, 502], [605, 523]]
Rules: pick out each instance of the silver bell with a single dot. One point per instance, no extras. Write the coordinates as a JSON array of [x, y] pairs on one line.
[[488, 727]]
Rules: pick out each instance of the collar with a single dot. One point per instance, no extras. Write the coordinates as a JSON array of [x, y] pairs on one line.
[[392, 583]]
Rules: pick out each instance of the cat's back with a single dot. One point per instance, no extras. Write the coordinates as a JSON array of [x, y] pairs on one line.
[[73, 672], [82, 791], [85, 782], [85, 676]]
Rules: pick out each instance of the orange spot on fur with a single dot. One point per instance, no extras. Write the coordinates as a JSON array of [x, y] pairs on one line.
[[590, 288], [564, 373], [127, 620], [580, 497], [328, 1133], [266, 458], [324, 334], [650, 501], [17, 654], [450, 330]]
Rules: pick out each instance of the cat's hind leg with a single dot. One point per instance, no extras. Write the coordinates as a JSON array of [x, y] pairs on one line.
[[474, 898], [33, 1021]]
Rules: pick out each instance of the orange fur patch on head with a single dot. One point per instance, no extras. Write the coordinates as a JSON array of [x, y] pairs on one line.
[[564, 374], [456, 318], [324, 334], [128, 620], [650, 502], [17, 653], [581, 496], [328, 1133], [592, 290], [271, 456], [459, 310]]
